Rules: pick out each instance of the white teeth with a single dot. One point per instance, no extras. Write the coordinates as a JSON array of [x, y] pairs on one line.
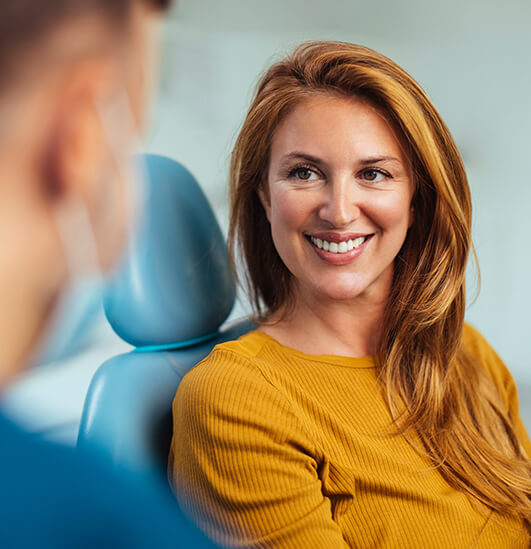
[[356, 243], [338, 247]]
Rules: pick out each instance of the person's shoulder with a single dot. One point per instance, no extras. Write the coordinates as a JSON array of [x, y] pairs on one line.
[[55, 496], [232, 377], [247, 346], [227, 360], [472, 337], [477, 346]]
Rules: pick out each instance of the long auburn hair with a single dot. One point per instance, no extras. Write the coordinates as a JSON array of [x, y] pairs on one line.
[[434, 388]]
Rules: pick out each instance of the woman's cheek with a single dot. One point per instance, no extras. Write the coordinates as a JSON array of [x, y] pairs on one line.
[[390, 211], [292, 208]]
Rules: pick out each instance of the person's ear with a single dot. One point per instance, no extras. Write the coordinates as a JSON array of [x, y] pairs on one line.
[[411, 217], [77, 149], [263, 195]]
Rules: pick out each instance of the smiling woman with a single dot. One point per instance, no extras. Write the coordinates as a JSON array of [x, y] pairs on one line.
[[362, 411]]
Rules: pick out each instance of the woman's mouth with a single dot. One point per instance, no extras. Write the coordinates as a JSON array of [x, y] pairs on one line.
[[339, 247]]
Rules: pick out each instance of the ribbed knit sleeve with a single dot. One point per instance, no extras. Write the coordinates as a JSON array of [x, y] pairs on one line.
[[241, 461]]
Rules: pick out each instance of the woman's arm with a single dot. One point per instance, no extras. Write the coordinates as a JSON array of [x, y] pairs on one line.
[[241, 462]]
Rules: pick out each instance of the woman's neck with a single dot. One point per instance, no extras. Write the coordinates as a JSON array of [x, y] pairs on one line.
[[319, 326]]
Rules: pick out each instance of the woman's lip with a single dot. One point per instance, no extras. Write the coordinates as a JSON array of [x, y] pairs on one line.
[[337, 237], [339, 259]]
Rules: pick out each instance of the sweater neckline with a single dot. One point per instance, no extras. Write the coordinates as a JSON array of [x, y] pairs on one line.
[[346, 361]]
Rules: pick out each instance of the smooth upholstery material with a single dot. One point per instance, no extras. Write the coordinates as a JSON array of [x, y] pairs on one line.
[[174, 284], [127, 413], [169, 298]]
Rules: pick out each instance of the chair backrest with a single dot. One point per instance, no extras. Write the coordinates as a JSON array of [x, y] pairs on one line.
[[168, 299]]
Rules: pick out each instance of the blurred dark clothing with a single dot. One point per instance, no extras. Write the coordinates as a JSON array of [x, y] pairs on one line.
[[53, 497]]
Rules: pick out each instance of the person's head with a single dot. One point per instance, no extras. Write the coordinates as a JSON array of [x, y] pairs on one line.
[[74, 79], [342, 106], [304, 172]]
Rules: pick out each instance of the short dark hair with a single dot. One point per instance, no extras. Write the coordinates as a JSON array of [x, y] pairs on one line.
[[24, 22]]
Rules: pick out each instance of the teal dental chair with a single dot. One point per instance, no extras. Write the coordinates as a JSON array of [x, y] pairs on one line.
[[168, 300]]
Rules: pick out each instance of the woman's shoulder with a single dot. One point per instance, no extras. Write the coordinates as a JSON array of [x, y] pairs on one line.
[[231, 385], [474, 341], [247, 346], [231, 367], [477, 346]]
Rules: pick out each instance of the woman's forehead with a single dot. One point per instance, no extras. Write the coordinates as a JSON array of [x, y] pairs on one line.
[[336, 127]]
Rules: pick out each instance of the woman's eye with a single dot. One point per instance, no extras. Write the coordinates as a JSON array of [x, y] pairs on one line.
[[373, 175], [304, 174]]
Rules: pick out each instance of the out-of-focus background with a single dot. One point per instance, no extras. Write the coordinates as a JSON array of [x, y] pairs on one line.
[[472, 58]]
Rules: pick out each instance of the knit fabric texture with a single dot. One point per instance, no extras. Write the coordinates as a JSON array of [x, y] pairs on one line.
[[273, 447]]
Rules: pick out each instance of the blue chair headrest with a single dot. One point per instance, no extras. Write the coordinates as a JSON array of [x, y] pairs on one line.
[[174, 287]]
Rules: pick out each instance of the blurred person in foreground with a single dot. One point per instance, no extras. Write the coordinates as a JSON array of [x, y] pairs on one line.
[[73, 87]]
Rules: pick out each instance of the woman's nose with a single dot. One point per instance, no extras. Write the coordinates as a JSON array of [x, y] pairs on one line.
[[341, 203]]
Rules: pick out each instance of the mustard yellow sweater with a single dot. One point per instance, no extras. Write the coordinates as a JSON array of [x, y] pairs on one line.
[[276, 448]]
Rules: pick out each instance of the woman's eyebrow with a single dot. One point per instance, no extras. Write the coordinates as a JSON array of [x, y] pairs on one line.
[[378, 159], [297, 155], [368, 160]]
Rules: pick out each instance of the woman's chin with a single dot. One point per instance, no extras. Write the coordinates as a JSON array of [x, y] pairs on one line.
[[341, 293]]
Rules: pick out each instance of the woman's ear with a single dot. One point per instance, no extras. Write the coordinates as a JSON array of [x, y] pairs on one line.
[[411, 216], [263, 194]]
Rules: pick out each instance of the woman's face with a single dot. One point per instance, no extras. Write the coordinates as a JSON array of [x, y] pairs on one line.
[[338, 198]]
